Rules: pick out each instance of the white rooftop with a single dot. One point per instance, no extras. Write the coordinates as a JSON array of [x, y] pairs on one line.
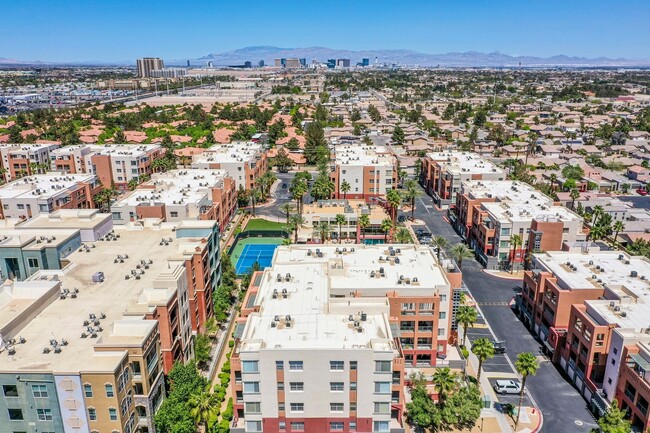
[[44, 186], [361, 155], [464, 163], [229, 153], [133, 150]]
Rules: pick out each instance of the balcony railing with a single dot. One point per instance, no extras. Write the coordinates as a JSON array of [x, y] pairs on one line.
[[629, 394]]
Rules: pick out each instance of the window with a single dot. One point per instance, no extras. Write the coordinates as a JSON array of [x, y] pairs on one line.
[[297, 426], [112, 414], [295, 365], [380, 426], [279, 365], [39, 391], [382, 367], [336, 407], [442, 315], [33, 263], [353, 425], [297, 407], [282, 425], [336, 426], [88, 391], [297, 386], [250, 366], [251, 387], [15, 414], [281, 406], [280, 386], [337, 365], [382, 387], [253, 407], [353, 386], [10, 390], [253, 426], [353, 406], [109, 390], [20, 206], [173, 214], [336, 386], [353, 365], [92, 414], [44, 414], [382, 407], [441, 332]]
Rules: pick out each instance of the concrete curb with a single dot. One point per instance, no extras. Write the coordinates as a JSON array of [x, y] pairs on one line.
[[487, 271], [540, 424]]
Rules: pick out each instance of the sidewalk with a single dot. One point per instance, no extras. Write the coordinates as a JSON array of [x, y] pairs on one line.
[[518, 275]]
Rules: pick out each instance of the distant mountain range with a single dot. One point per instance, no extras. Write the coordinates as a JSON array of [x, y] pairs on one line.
[[408, 57]]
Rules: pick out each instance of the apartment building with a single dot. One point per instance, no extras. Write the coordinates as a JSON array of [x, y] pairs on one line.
[[114, 164], [147, 65], [244, 162], [489, 213], [443, 173], [45, 193], [88, 344], [20, 160], [370, 171], [327, 210], [179, 195], [325, 336]]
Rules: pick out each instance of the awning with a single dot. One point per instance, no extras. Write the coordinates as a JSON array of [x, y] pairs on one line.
[[640, 360], [548, 346]]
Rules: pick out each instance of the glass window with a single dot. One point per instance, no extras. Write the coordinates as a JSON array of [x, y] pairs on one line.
[[39, 391], [295, 365], [353, 386], [282, 425], [297, 407], [88, 391], [337, 386], [279, 365], [382, 367], [297, 426], [353, 425], [253, 407], [382, 387], [10, 390], [297, 386], [92, 414], [251, 387], [382, 407], [353, 365], [380, 426], [280, 386], [336, 407], [109, 390], [337, 365], [253, 426], [250, 367], [353, 406], [112, 414], [281, 406], [44, 414], [442, 315], [15, 414], [336, 426]]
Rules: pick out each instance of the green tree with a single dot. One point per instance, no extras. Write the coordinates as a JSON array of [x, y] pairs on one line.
[[462, 408], [574, 172], [287, 208], [625, 188], [254, 194], [374, 114], [363, 222], [575, 194], [466, 317], [282, 161], [394, 199], [422, 411], [299, 187], [355, 116], [460, 252], [340, 220], [119, 136], [345, 188], [315, 145], [402, 236], [444, 382], [295, 222], [293, 144], [617, 227], [203, 408], [411, 193], [323, 231], [484, 350], [440, 243], [398, 135], [201, 349], [526, 365], [515, 242], [613, 421], [386, 226]]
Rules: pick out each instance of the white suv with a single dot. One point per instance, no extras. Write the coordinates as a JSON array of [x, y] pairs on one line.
[[507, 387]]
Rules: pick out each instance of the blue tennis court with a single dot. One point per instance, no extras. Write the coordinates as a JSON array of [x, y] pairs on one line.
[[260, 253]]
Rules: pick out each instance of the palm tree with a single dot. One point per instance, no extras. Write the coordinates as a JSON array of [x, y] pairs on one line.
[[444, 381], [345, 188], [323, 231], [203, 408], [254, 195], [394, 199], [403, 236], [439, 242], [525, 365], [617, 227], [363, 222], [412, 191], [340, 220], [575, 194], [386, 225], [597, 213], [466, 317], [460, 252], [287, 208], [295, 222], [298, 190], [515, 241], [484, 350], [552, 180]]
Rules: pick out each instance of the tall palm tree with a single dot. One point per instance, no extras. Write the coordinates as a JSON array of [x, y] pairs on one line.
[[466, 317], [295, 222], [403, 236], [298, 189], [345, 188], [203, 408], [394, 199], [439, 242], [618, 226], [411, 192], [484, 350], [575, 194], [515, 241], [323, 231], [597, 213], [363, 222], [254, 195], [287, 208], [526, 365], [552, 180], [386, 226], [460, 252], [340, 220], [444, 381]]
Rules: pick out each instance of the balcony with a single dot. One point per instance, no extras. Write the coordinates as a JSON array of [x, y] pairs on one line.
[[629, 394]]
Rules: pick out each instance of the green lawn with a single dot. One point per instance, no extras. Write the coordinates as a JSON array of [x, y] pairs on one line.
[[262, 224]]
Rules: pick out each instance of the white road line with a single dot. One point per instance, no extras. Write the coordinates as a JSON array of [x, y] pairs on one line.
[[426, 208]]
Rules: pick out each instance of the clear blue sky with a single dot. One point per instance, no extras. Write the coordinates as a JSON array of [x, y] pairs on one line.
[[116, 30]]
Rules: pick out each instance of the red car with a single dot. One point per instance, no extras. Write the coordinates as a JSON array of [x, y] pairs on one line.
[[642, 192]]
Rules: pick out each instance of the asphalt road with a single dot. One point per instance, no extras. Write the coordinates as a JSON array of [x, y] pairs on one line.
[[560, 403]]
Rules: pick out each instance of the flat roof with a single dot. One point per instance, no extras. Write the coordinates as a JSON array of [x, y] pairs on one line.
[[44, 186], [353, 154], [229, 153], [66, 218], [349, 208], [132, 150], [464, 162], [122, 301]]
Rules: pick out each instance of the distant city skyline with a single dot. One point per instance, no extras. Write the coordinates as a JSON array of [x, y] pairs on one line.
[[123, 30]]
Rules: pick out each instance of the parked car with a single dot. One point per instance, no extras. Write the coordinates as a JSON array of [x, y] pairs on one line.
[[284, 186], [499, 347], [426, 240], [507, 387], [642, 191], [401, 218]]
